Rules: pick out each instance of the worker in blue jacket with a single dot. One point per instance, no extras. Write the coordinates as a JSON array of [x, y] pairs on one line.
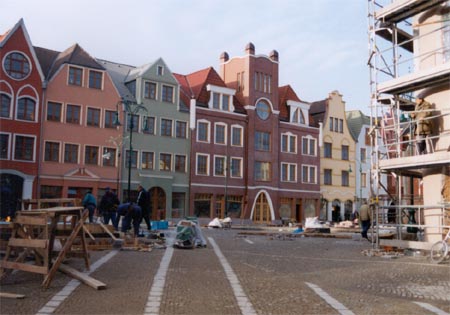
[[132, 214]]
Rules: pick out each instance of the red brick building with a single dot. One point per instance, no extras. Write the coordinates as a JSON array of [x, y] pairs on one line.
[[21, 81], [254, 152]]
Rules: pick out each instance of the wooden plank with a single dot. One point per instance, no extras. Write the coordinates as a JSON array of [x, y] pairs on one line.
[[108, 231], [406, 244], [86, 230], [11, 295], [24, 267], [31, 220], [28, 243], [94, 283]]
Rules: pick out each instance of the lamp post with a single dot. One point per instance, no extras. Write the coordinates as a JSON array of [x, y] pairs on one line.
[[131, 109]]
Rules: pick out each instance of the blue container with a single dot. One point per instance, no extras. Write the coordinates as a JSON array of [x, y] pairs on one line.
[[159, 225]]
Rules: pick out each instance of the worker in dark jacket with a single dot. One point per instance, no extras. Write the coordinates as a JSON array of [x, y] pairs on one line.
[[108, 207], [143, 202], [131, 213]]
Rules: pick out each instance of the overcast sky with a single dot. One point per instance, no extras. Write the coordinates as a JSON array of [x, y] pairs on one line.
[[322, 44]]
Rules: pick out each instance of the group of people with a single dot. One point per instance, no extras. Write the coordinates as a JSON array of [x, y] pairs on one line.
[[110, 209]]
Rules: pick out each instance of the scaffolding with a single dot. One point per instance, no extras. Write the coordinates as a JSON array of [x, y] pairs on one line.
[[409, 62]]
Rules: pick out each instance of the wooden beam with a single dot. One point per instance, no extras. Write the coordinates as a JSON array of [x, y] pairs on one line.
[[28, 243], [24, 267], [86, 230], [31, 220], [11, 295], [94, 283]]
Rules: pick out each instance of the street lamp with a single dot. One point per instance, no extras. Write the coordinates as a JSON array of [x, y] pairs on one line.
[[131, 109]]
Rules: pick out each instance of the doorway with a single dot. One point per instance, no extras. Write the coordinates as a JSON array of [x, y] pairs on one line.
[[157, 203], [261, 213]]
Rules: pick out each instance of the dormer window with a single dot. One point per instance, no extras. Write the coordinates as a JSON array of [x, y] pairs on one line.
[[299, 112], [221, 98]]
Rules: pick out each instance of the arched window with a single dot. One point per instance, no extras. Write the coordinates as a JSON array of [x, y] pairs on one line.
[[5, 110], [26, 109]]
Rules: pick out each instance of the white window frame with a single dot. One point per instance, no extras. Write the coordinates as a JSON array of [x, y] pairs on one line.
[[240, 166], [153, 162], [221, 90], [59, 153], [289, 135], [207, 164], [208, 140], [103, 79], [158, 72], [10, 116], [310, 138], [301, 106], [289, 175], [233, 127], [309, 179], [171, 162], [36, 108], [173, 93], [14, 147], [171, 127], [63, 160], [175, 160], [8, 154], [156, 91], [225, 133], [224, 165]]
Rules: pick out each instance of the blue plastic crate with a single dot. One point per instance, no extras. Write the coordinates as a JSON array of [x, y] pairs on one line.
[[159, 225]]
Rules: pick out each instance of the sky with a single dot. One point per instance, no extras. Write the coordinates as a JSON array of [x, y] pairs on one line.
[[322, 44]]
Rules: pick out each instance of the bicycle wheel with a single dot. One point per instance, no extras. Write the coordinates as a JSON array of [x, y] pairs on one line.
[[438, 252]]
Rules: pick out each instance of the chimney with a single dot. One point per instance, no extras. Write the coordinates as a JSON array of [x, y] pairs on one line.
[[273, 55], [250, 49], [224, 57]]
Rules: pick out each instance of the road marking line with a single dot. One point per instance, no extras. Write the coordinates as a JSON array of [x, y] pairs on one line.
[[431, 308], [248, 241], [330, 300], [159, 280], [59, 297], [244, 303]]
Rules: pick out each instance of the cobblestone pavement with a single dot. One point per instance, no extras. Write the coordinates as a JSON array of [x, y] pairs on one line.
[[273, 276]]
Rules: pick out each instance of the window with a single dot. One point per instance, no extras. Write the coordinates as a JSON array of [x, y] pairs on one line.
[[446, 36], [363, 180], [236, 136], [309, 146], [109, 157], [288, 172], [166, 127], [331, 123], [132, 122], [54, 111], [4, 146], [167, 93], [133, 159], [180, 163], [181, 127], [73, 114], [262, 171], [91, 155], [262, 141], [367, 137], [24, 148], [93, 117], [345, 178], [147, 160], [95, 79], [225, 102], [110, 117], [298, 116], [149, 123], [51, 151], [262, 110], [345, 152], [70, 153], [5, 110], [288, 143], [75, 76], [165, 162], [160, 70], [363, 155], [26, 109], [203, 131], [327, 150], [216, 100], [328, 179], [202, 165], [220, 134], [150, 90], [219, 165], [17, 65], [336, 125], [341, 125], [236, 167], [308, 174]]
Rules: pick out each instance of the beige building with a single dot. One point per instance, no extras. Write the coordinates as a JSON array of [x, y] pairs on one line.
[[410, 90], [337, 159]]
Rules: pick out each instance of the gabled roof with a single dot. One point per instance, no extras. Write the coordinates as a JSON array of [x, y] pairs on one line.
[[286, 93], [46, 58], [118, 72], [74, 55], [5, 37], [355, 120], [318, 110], [194, 86]]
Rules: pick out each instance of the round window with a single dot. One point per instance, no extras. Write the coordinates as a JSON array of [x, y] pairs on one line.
[[17, 65], [262, 110]]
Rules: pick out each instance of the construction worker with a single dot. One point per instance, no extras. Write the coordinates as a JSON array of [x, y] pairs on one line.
[[364, 219], [131, 213], [424, 125]]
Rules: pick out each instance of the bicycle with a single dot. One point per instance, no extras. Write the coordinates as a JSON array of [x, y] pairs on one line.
[[439, 250]]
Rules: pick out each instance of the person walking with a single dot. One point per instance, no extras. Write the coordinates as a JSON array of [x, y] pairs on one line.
[[364, 219], [90, 203], [131, 213], [143, 202], [108, 207]]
